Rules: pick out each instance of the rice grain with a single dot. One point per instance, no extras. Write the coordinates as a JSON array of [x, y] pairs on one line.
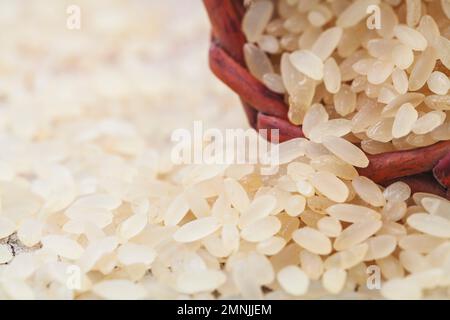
[[312, 240], [196, 230], [356, 233]]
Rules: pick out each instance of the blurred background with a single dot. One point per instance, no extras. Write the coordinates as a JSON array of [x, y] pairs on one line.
[[135, 70]]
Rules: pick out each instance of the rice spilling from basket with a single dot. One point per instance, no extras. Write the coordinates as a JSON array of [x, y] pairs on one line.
[[382, 65]]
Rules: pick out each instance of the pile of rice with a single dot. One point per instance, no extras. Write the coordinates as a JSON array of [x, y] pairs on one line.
[[382, 85], [93, 208]]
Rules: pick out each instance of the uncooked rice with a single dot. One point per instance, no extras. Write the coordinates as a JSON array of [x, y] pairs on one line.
[[87, 188]]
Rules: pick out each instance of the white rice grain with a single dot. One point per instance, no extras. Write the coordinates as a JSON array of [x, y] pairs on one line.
[[312, 240], [333, 280], [438, 83], [411, 37], [430, 224], [330, 186], [352, 213], [261, 230], [368, 191], [405, 119], [256, 19], [356, 233], [346, 151], [307, 63], [293, 280]]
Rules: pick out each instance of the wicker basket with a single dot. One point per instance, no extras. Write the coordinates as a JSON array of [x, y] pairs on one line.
[[424, 169]]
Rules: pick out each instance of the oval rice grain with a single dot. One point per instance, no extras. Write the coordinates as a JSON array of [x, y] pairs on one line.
[[295, 205], [236, 195], [355, 12], [438, 83], [397, 192], [423, 69], [400, 80], [260, 208], [63, 246], [436, 206], [348, 258], [420, 243], [332, 76], [368, 191], [345, 101], [356, 233], [334, 165], [401, 289], [256, 19], [30, 232], [333, 280], [311, 264], [176, 211], [380, 71], [327, 42], [413, 261], [329, 226], [196, 230], [380, 247], [330, 186], [335, 128], [428, 122], [315, 116], [391, 268], [430, 224], [411, 37], [257, 61], [346, 151], [307, 63], [274, 82], [130, 254], [404, 121], [132, 226], [271, 246], [192, 282], [402, 56], [261, 230], [352, 213]]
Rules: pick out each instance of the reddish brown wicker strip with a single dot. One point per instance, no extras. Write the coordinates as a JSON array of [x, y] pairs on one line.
[[442, 171], [287, 131], [226, 17]]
